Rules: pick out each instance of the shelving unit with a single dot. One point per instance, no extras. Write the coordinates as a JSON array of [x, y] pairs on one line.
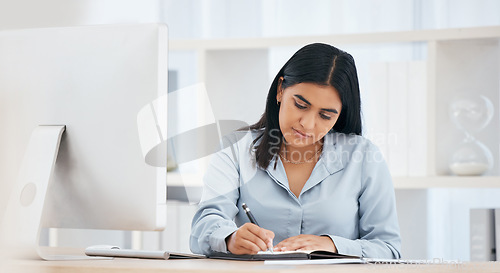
[[338, 39], [456, 60], [429, 182], [437, 65], [446, 182]]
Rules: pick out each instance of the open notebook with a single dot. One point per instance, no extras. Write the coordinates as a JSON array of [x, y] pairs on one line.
[[285, 255]]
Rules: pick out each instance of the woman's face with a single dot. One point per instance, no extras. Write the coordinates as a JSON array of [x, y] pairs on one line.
[[307, 113]]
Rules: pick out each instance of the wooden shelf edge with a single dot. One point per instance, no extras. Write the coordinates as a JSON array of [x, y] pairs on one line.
[[421, 182], [429, 182], [186, 180], [354, 38]]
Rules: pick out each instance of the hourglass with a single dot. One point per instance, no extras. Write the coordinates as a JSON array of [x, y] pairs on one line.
[[471, 114]]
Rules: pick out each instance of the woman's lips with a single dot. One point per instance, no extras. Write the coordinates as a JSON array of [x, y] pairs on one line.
[[300, 134]]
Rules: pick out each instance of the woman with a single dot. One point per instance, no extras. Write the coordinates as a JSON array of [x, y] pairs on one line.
[[311, 180]]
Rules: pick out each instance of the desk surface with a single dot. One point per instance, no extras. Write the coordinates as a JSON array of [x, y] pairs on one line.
[[221, 266]]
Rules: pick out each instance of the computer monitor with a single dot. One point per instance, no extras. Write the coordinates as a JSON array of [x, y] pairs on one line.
[[107, 85]]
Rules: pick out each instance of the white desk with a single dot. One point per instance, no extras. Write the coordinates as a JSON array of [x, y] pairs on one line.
[[221, 266]]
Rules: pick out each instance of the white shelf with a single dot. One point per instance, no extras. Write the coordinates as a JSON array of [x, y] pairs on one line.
[[440, 65], [186, 180], [444, 64], [423, 182], [446, 182], [361, 38]]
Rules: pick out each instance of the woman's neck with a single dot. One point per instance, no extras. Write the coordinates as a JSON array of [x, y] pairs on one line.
[[301, 154]]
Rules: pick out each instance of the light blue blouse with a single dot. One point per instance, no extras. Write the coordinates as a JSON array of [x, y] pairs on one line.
[[349, 197]]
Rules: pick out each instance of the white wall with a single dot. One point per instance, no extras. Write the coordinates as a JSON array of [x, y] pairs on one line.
[[57, 13], [230, 18]]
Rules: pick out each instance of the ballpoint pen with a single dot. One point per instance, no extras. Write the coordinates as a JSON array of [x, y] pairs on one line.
[[253, 220]]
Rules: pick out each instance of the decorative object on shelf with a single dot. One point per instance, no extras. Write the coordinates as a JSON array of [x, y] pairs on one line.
[[171, 163], [471, 114]]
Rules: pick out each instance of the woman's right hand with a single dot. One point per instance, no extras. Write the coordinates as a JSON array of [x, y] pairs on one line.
[[250, 239]]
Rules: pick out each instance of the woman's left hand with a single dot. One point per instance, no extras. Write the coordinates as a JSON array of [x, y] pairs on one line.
[[306, 242]]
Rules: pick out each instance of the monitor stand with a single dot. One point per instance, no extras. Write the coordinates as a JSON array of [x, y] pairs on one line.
[[20, 230]]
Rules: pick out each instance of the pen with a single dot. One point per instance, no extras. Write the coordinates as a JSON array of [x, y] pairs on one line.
[[249, 214], [252, 219]]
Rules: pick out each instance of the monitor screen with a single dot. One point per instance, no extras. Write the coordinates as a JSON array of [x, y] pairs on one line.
[[95, 80]]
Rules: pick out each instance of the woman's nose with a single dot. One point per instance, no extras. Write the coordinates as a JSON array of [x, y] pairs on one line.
[[308, 121]]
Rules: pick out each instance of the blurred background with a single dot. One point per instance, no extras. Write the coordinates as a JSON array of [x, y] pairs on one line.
[[435, 221]]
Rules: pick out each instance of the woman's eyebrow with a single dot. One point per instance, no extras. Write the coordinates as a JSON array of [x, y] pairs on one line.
[[330, 110], [302, 99], [308, 103]]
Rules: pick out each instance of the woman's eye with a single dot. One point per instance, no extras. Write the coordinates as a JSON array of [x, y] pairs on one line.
[[300, 106], [323, 116]]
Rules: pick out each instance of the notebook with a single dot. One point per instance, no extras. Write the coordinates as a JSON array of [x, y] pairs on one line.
[[285, 255]]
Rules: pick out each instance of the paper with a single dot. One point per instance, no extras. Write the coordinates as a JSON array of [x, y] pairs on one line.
[[284, 252], [316, 261]]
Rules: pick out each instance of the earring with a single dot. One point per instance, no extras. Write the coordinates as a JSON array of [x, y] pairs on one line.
[[278, 103]]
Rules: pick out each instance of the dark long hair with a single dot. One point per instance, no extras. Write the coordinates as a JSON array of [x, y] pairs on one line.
[[317, 63]]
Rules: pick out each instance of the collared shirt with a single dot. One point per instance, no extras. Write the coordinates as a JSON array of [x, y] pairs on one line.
[[349, 197]]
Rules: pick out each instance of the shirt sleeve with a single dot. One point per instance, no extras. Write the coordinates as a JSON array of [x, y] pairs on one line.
[[378, 222], [214, 219]]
